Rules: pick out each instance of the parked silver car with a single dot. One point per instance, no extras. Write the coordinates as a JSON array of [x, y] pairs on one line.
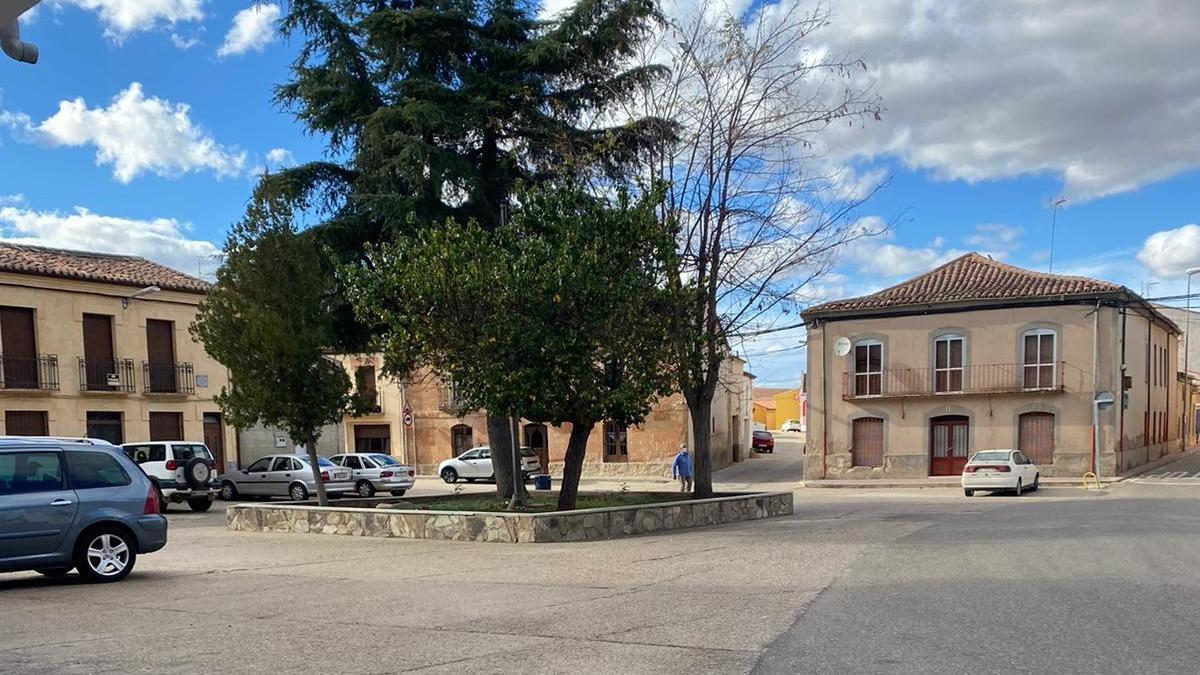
[[75, 504], [284, 476], [372, 471]]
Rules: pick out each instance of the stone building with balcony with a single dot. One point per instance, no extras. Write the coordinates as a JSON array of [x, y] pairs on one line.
[[98, 345], [974, 355]]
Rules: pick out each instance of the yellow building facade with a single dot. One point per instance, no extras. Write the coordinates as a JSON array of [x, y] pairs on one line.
[[98, 345]]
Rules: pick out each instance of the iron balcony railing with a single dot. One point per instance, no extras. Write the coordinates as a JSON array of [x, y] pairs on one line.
[[29, 372], [107, 376], [168, 378], [1001, 378]]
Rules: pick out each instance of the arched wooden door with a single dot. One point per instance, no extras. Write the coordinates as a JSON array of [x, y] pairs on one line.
[[536, 439], [948, 445]]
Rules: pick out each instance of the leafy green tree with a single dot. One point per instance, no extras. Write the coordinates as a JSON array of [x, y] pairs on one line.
[[557, 316], [437, 109], [266, 320]]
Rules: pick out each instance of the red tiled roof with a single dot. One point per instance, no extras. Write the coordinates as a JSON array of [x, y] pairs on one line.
[[768, 403], [99, 267], [972, 277]]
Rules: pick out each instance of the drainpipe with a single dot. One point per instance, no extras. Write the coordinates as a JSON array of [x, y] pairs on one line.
[[11, 44], [1096, 390], [1121, 388], [824, 399]]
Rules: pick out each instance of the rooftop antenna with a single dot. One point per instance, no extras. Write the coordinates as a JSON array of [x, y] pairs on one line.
[[1054, 207]]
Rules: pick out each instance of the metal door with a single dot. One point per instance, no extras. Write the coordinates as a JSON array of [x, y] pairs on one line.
[[948, 445]]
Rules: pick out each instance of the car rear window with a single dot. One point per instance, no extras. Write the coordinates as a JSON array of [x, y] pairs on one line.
[[184, 453], [90, 470], [25, 472], [321, 461], [386, 460], [528, 452], [762, 434], [990, 457], [146, 453]]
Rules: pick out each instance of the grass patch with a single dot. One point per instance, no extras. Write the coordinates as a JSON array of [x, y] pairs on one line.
[[542, 502]]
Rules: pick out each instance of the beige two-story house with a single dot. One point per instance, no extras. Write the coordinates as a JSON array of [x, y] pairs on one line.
[[976, 354], [98, 345]]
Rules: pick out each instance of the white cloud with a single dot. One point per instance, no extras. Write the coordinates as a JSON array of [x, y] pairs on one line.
[[1170, 253], [123, 17], [253, 28], [184, 43], [134, 134], [1098, 93], [161, 239], [280, 157], [996, 238]]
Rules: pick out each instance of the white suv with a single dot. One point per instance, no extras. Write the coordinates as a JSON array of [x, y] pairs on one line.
[[182, 470]]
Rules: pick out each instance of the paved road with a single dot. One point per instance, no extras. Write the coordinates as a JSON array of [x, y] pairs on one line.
[[1087, 583], [856, 581]]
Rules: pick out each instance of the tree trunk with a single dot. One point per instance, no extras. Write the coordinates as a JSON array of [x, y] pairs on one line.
[[573, 468], [701, 415], [500, 441], [310, 444]]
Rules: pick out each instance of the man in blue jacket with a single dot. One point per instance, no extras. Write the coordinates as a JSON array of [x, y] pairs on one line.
[[682, 469]]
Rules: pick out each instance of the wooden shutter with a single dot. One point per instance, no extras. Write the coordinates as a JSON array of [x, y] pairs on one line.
[[26, 423], [867, 442], [166, 426], [98, 357], [1035, 437], [18, 347]]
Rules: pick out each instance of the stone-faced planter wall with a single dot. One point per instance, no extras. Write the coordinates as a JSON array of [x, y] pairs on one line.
[[558, 526]]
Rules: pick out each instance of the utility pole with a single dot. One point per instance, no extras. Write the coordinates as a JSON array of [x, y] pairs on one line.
[[1187, 335], [1054, 207]]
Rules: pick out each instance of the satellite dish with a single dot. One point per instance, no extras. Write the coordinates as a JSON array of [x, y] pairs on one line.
[[842, 346]]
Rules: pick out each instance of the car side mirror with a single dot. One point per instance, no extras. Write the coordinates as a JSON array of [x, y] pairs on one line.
[[245, 472]]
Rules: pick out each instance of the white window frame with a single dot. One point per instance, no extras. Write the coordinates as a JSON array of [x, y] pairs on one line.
[[1038, 364], [962, 369], [868, 373]]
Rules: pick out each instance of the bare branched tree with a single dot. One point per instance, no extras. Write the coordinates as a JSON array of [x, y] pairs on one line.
[[760, 210]]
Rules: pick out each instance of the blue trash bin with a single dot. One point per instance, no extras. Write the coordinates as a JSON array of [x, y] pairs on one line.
[[541, 481]]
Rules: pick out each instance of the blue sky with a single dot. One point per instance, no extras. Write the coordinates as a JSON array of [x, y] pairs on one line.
[[144, 124]]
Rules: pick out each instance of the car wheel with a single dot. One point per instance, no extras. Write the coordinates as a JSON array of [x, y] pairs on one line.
[[297, 492], [968, 492], [55, 572], [105, 554], [398, 493], [1036, 482], [1019, 489], [200, 504], [449, 475], [365, 489], [229, 491]]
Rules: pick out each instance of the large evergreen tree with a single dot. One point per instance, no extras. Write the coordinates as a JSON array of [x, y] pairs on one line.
[[558, 315], [437, 109]]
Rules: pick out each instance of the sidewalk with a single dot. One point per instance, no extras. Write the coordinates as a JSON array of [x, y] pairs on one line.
[[955, 482]]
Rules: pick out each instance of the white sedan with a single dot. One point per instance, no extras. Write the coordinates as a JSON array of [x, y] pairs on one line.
[[476, 464], [792, 425], [996, 470]]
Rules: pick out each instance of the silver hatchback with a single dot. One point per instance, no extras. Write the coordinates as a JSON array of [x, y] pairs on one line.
[[288, 476]]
